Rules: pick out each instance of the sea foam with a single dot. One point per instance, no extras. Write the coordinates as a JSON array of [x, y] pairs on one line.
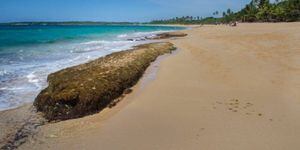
[[24, 68]]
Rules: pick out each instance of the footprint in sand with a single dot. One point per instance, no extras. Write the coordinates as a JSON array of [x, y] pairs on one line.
[[241, 107], [236, 105]]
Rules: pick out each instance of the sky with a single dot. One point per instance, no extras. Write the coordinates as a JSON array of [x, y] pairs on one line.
[[110, 10]]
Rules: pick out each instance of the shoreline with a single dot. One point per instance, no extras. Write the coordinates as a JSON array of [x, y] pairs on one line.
[[149, 75], [13, 126], [146, 39], [204, 96], [19, 83]]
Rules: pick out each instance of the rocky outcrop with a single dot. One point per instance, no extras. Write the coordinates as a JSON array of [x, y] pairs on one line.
[[168, 35], [160, 36], [88, 88]]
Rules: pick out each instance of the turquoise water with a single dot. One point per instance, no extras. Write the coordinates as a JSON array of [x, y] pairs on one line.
[[29, 53]]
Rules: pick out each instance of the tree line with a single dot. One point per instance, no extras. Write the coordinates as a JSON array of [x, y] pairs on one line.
[[255, 11]]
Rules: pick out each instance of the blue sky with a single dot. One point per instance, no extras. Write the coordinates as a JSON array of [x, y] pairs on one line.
[[110, 10]]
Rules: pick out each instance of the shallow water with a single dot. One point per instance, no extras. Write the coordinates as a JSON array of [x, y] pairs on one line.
[[29, 53]]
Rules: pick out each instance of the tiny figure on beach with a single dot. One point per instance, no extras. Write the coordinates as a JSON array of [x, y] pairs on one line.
[[233, 24]]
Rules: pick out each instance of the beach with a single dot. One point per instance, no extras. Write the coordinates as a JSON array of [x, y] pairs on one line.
[[228, 88], [28, 54]]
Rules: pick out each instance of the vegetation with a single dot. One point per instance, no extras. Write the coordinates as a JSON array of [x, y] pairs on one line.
[[255, 11]]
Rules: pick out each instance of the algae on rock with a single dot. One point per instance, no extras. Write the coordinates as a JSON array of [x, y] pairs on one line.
[[88, 88]]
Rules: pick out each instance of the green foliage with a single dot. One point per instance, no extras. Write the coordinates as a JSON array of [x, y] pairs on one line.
[[255, 11], [264, 11], [179, 20]]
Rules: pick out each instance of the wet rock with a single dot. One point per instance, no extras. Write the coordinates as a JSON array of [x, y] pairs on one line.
[[137, 39], [168, 35], [127, 91], [88, 88]]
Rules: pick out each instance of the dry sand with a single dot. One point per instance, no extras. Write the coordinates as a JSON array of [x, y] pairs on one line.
[[227, 88]]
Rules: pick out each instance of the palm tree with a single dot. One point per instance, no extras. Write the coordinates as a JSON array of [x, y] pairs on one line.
[[224, 14], [216, 13], [229, 11]]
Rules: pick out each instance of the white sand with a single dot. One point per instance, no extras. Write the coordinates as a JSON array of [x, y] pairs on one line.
[[253, 69]]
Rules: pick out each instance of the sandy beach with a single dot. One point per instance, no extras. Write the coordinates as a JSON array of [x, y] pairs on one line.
[[225, 88]]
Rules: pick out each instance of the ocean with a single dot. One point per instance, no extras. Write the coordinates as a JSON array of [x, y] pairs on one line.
[[28, 54]]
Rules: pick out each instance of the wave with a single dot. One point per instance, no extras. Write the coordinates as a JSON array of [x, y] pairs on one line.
[[102, 45], [3, 72], [141, 35], [24, 72]]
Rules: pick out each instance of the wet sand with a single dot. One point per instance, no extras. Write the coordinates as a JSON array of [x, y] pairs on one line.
[[228, 88]]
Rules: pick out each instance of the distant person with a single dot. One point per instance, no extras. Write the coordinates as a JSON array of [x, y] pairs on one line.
[[233, 24]]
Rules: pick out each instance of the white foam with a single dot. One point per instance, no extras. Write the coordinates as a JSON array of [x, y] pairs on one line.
[[101, 45], [4, 88], [122, 35], [28, 78], [3, 72], [32, 78], [11, 88], [93, 42]]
